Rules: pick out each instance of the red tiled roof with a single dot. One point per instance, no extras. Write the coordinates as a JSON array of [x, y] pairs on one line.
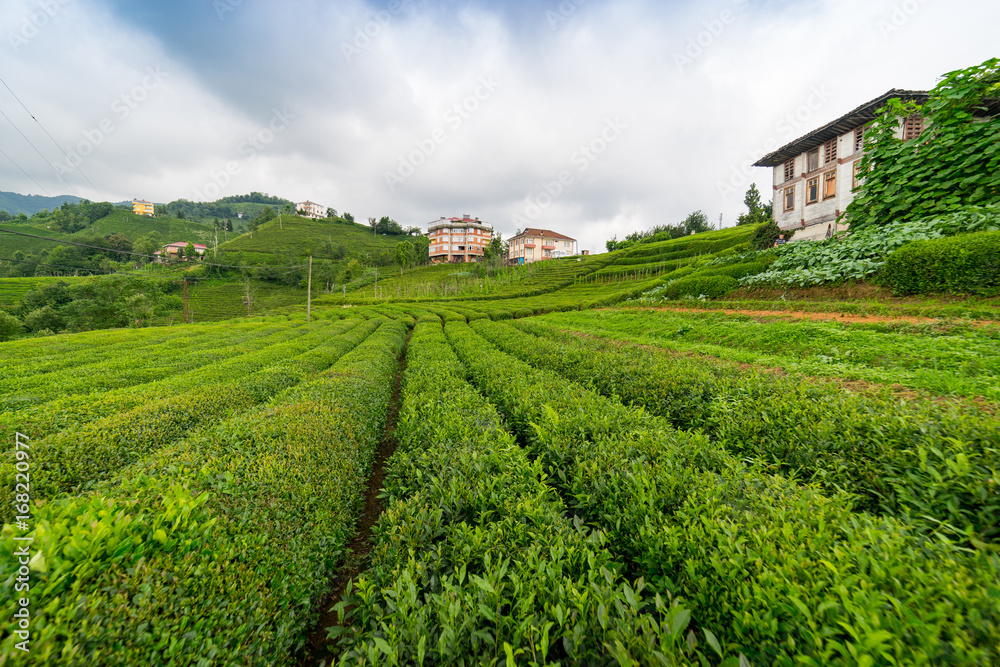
[[547, 233]]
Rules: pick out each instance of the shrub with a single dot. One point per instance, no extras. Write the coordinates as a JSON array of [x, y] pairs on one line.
[[44, 318], [737, 271], [10, 326], [960, 264], [710, 286], [766, 235]]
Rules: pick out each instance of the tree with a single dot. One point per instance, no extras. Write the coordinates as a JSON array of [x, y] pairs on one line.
[[352, 270], [756, 213], [496, 250], [373, 223], [45, 317], [10, 326], [190, 252], [405, 255], [331, 212], [697, 223], [348, 217]]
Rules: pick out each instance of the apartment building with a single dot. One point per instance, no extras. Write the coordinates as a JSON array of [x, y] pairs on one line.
[[458, 239], [142, 207], [534, 245], [310, 209]]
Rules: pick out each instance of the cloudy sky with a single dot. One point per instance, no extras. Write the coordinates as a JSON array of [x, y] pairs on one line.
[[590, 117]]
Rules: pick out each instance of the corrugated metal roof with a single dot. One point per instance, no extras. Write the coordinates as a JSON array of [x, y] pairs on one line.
[[846, 123]]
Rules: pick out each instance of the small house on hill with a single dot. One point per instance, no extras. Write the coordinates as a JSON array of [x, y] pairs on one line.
[[534, 245], [172, 250]]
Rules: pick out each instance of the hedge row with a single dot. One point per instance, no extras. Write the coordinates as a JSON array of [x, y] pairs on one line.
[[475, 560], [965, 264], [213, 551], [137, 366], [87, 453], [932, 466], [711, 286], [234, 358], [780, 573]]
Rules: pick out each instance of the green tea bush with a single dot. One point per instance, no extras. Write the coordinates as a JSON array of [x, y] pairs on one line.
[[215, 550], [712, 287], [782, 573], [470, 528], [965, 264], [10, 326]]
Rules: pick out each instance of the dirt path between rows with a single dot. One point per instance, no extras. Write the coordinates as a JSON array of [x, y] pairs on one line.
[[810, 315], [317, 650]]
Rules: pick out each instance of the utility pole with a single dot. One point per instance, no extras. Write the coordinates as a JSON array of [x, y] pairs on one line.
[[309, 291]]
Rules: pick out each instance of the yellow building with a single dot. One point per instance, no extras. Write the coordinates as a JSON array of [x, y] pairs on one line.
[[142, 207]]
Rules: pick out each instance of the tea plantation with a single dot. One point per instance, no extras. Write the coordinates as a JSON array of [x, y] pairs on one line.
[[508, 472]]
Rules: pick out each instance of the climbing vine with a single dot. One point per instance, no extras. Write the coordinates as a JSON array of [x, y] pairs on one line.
[[953, 163]]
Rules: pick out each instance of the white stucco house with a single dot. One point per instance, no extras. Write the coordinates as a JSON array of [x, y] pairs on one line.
[[816, 175]]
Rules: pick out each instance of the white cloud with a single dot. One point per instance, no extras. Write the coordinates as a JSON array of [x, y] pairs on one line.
[[700, 89]]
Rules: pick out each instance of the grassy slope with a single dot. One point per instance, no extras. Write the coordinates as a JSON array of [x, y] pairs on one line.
[[304, 236], [118, 222]]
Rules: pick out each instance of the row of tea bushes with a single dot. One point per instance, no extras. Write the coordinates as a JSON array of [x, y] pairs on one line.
[[213, 550], [236, 358], [475, 561], [779, 572], [86, 453], [935, 467]]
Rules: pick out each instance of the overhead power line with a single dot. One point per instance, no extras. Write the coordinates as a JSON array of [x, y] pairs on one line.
[[139, 254], [24, 172], [54, 142], [102, 272], [44, 159]]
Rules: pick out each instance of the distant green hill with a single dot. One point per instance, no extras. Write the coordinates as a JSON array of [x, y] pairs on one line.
[[15, 203], [118, 222], [324, 239]]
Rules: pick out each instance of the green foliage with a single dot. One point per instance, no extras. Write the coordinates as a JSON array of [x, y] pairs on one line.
[[966, 264], [765, 235], [697, 286], [405, 255], [45, 317], [765, 563], [241, 527], [756, 212], [862, 254], [696, 223], [955, 162], [10, 326]]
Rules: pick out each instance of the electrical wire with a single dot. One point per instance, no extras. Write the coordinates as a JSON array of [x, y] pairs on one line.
[[139, 254], [25, 173], [69, 160], [44, 159], [102, 272]]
